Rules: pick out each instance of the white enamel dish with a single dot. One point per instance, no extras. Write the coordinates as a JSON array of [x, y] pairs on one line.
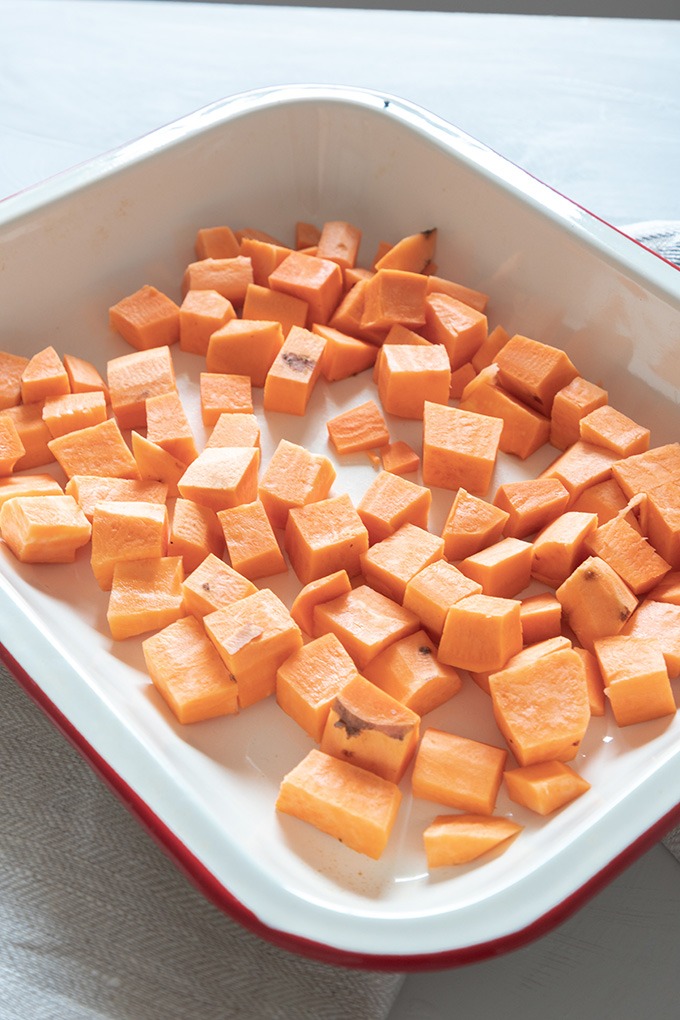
[[74, 245]]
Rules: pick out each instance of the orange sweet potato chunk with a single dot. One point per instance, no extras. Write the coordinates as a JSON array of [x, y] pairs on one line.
[[481, 632], [12, 368], [308, 681], [541, 616], [228, 276], [608, 427], [221, 393], [88, 490], [471, 524], [412, 253], [595, 601], [458, 771], [525, 430], [245, 347], [201, 313], [370, 728], [542, 707], [410, 671], [71, 411], [253, 637], [433, 590], [83, 376], [399, 458], [452, 840], [533, 371], [391, 501], [561, 546], [251, 543], [459, 448], [365, 621], [216, 243], [44, 528], [349, 803], [28, 485], [294, 372], [95, 450], [195, 532], [343, 355], [570, 404], [237, 429], [503, 569], [545, 787], [318, 281], [531, 503], [325, 536], [636, 680], [167, 425], [324, 589], [145, 595], [394, 296], [658, 623], [293, 477], [134, 530], [11, 447], [390, 564], [145, 319], [212, 585], [221, 477], [188, 673], [33, 434], [156, 464], [408, 375], [359, 428], [459, 328], [134, 377], [44, 376]]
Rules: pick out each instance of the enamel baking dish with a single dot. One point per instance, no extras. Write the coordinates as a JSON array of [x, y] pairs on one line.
[[73, 246]]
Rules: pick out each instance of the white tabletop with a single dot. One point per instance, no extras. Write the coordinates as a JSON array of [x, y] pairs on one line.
[[588, 105]]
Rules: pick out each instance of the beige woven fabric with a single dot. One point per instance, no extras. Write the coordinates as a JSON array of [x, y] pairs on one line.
[[97, 924]]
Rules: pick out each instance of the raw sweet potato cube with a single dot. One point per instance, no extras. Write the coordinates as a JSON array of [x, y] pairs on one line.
[[310, 678], [636, 679], [294, 372], [372, 729], [188, 673], [570, 404], [146, 319], [390, 502], [212, 585], [481, 632], [580, 466], [410, 671], [254, 636], [134, 377], [325, 536], [486, 354], [459, 328], [595, 601], [541, 617], [83, 377], [245, 347], [216, 243], [68, 412], [95, 450], [560, 547], [11, 369], [531, 504], [649, 471], [293, 477], [28, 485], [632, 557], [394, 295], [471, 524], [201, 313], [221, 393], [468, 295], [145, 595], [458, 771], [134, 530], [533, 371], [265, 257], [608, 427], [525, 657], [459, 839], [399, 458], [503, 569], [343, 355], [317, 281], [228, 276], [459, 448], [662, 522], [195, 532], [251, 543], [33, 434], [390, 564], [365, 621], [237, 429], [167, 425], [11, 447], [156, 464], [413, 253], [44, 376], [409, 375], [542, 707], [88, 490], [261, 302], [359, 428], [339, 241], [594, 680], [525, 429], [222, 477], [545, 786], [346, 802], [659, 624], [433, 590], [44, 528], [604, 499], [310, 595]]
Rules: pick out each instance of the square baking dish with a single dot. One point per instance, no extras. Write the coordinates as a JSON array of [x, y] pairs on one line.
[[76, 244]]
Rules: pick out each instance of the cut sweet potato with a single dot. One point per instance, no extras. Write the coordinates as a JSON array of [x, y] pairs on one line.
[[410, 671], [44, 528], [293, 477], [145, 595], [459, 839], [458, 771], [310, 679], [325, 536]]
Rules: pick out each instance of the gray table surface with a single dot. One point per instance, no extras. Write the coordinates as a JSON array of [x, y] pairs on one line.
[[589, 105]]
